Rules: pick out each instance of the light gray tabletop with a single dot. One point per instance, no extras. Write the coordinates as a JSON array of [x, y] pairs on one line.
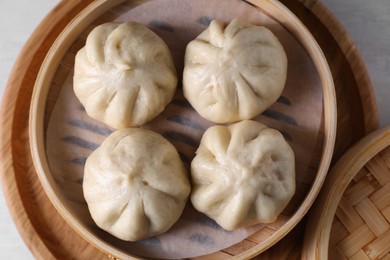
[[368, 23]]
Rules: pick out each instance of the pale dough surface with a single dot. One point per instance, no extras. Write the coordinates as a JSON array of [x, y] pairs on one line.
[[243, 174], [135, 184], [234, 71], [124, 76]]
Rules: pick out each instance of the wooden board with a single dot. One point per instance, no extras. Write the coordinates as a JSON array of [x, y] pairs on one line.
[[47, 234]]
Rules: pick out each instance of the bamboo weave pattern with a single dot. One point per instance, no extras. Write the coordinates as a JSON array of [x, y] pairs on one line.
[[361, 227]]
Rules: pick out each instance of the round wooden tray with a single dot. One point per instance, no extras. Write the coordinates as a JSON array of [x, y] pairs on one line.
[[44, 230]]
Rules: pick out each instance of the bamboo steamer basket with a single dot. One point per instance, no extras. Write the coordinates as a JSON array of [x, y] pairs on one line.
[[351, 218], [52, 74]]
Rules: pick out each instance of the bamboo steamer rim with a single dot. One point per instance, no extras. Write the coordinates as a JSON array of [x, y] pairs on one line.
[[97, 8], [316, 240]]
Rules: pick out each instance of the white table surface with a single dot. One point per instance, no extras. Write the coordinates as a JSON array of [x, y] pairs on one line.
[[368, 23]]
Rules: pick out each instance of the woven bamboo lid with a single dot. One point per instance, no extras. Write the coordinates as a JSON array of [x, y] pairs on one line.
[[351, 218]]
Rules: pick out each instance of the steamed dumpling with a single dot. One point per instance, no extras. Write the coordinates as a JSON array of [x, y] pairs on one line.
[[124, 76], [135, 184], [243, 174], [234, 71]]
